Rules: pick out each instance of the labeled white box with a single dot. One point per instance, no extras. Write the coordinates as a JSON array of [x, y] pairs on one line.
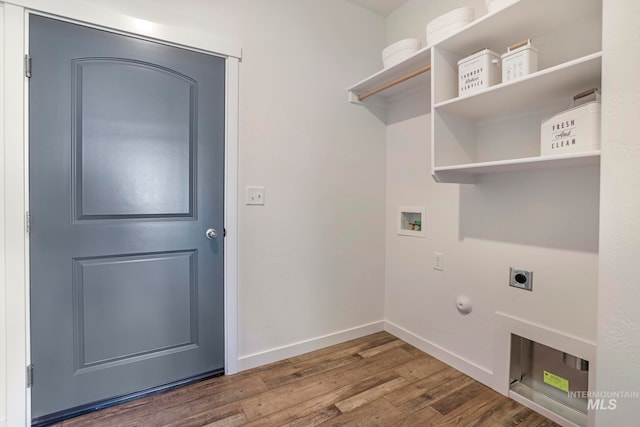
[[574, 130], [519, 60], [478, 71]]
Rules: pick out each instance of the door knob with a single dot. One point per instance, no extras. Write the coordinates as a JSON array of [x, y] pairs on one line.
[[211, 234]]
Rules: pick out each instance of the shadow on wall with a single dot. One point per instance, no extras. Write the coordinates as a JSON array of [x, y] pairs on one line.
[[555, 208]]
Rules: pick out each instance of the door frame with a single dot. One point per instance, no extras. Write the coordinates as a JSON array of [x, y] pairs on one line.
[[15, 405]]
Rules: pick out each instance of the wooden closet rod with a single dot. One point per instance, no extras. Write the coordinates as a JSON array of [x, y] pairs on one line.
[[395, 82]]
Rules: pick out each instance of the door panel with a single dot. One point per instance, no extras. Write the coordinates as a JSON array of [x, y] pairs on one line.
[[134, 156], [126, 175]]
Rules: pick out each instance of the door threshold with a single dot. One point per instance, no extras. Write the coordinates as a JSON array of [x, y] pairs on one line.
[[57, 417]]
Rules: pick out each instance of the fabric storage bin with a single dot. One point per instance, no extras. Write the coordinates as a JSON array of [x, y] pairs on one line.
[[399, 51], [445, 25], [574, 130], [478, 71], [519, 60]]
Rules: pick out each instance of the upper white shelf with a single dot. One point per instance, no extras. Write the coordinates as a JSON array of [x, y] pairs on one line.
[[520, 21], [418, 60], [531, 92]]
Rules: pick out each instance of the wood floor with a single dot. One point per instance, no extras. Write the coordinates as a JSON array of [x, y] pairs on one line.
[[377, 380]]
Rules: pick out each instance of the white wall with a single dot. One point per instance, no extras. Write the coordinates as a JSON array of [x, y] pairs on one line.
[[618, 315], [545, 221]]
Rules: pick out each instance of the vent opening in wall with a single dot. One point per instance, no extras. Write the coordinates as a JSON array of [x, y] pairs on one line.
[[550, 378], [411, 221]]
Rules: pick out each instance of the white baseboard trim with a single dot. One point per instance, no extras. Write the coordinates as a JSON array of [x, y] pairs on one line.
[[476, 372], [295, 349]]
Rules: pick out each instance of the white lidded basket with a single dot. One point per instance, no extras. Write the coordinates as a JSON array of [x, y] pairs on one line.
[[399, 51], [574, 130], [451, 22], [478, 71]]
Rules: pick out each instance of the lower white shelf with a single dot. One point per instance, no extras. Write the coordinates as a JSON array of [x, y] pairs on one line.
[[468, 173]]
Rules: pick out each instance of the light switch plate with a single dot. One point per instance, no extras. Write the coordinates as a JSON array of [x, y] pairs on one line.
[[438, 261], [254, 196]]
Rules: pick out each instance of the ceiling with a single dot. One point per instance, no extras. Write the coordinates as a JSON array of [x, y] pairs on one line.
[[381, 7]]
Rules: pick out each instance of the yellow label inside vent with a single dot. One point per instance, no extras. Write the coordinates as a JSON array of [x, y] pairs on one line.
[[556, 381]]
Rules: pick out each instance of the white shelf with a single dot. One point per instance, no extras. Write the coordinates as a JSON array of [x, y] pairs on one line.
[[468, 173], [418, 60], [520, 21], [530, 93]]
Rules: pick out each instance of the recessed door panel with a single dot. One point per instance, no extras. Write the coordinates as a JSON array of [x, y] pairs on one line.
[[133, 307], [134, 155]]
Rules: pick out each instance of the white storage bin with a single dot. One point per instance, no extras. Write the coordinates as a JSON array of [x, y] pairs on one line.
[[445, 25], [575, 130], [496, 5], [478, 71], [519, 60], [399, 51]]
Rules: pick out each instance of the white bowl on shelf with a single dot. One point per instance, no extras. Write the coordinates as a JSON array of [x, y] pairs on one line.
[[445, 25], [399, 51]]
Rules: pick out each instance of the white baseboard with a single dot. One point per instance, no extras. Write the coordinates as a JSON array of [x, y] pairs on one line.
[[476, 372], [295, 349]]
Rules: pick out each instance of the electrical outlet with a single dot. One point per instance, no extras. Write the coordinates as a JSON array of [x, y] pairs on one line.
[[254, 196], [438, 261]]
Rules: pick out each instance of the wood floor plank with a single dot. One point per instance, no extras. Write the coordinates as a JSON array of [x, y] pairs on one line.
[[420, 368], [455, 399], [231, 421], [325, 360], [381, 349], [377, 413], [304, 389], [373, 380], [369, 341], [315, 418], [424, 417], [471, 411], [510, 414], [422, 393], [226, 415], [302, 409], [373, 393], [296, 373]]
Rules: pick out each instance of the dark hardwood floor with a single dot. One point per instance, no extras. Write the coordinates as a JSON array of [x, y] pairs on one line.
[[377, 380]]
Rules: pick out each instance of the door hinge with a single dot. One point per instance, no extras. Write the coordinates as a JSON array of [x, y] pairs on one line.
[[27, 66], [224, 232], [29, 376], [27, 221]]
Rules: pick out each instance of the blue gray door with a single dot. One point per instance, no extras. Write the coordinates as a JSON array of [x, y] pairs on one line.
[[126, 176]]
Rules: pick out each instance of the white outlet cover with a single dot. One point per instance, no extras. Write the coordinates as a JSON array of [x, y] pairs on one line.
[[254, 195]]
